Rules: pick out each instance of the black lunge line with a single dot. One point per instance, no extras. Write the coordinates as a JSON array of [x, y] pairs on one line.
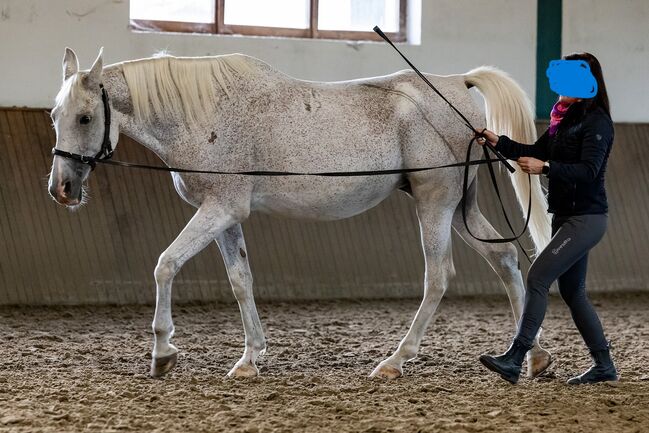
[[93, 160]]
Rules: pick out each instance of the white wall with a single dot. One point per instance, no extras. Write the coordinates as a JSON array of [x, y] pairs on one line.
[[617, 33], [456, 36]]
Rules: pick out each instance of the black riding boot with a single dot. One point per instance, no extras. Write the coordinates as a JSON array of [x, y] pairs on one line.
[[602, 370], [509, 364]]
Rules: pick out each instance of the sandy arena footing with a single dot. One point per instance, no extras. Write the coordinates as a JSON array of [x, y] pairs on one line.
[[85, 369]]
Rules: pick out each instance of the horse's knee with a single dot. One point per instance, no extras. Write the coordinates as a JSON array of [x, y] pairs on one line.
[[165, 269], [509, 254], [435, 290], [506, 256], [241, 284]]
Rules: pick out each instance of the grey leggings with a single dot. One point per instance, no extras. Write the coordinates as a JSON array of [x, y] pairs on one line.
[[565, 258]]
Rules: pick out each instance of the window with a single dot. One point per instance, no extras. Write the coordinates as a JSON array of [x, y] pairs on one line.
[[325, 19]]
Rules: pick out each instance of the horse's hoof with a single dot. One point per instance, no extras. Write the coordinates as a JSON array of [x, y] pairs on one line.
[[386, 371], [246, 369], [161, 366], [538, 362]]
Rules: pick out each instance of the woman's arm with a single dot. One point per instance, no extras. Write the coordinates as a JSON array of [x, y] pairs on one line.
[[514, 150], [598, 135]]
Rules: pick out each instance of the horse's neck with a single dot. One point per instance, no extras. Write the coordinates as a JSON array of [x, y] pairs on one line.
[[165, 136], [120, 101]]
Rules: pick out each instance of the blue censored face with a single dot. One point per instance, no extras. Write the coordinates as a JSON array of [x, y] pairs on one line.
[[571, 78]]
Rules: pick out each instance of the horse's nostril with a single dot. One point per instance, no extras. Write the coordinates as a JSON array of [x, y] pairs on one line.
[[53, 190], [67, 187]]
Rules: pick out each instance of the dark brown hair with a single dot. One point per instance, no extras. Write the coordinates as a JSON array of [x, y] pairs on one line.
[[601, 99]]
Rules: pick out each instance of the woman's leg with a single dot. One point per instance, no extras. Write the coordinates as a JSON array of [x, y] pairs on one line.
[[572, 286], [572, 238]]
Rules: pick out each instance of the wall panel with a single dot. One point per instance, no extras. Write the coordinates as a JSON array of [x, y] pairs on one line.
[[106, 251]]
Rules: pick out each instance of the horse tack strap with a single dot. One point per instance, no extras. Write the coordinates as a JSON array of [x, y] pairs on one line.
[[106, 151]]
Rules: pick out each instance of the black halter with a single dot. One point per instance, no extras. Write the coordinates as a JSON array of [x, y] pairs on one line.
[[106, 151]]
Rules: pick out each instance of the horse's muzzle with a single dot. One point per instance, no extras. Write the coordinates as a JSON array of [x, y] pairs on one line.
[[68, 192]]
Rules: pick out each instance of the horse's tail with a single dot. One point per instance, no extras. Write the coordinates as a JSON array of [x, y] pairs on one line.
[[509, 111]]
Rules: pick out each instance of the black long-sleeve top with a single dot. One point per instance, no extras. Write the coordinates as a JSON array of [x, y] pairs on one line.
[[577, 155]]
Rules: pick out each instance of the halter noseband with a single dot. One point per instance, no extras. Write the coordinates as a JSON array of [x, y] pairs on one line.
[[106, 151]]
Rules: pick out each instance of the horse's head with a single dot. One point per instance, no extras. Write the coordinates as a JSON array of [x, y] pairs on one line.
[[80, 123]]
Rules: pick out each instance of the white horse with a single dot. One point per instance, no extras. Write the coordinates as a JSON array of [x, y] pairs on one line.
[[234, 112]]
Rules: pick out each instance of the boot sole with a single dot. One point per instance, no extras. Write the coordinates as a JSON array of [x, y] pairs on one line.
[[509, 378], [610, 382]]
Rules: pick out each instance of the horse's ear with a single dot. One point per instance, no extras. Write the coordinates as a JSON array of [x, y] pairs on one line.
[[70, 64], [94, 76]]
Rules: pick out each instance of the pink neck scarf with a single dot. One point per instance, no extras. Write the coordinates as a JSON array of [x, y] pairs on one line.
[[556, 115]]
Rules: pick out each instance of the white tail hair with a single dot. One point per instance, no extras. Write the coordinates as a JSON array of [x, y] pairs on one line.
[[509, 112]]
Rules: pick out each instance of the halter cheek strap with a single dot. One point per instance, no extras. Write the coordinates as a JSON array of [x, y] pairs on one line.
[[106, 151]]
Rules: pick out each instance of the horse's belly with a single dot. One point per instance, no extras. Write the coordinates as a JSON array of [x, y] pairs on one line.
[[322, 199]]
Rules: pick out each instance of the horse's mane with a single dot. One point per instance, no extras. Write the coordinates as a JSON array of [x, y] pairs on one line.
[[187, 87]]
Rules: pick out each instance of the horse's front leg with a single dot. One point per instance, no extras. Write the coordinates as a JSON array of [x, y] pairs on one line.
[[435, 225], [205, 225], [235, 256]]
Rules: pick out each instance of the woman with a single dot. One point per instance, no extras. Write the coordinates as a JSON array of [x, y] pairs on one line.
[[572, 153]]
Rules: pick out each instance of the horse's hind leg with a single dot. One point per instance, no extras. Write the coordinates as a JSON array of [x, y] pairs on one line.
[[205, 225], [503, 258], [435, 224], [233, 249]]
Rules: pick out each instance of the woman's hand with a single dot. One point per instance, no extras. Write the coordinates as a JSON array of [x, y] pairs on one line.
[[487, 136], [530, 165]]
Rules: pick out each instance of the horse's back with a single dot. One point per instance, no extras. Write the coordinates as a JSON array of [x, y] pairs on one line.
[[374, 123]]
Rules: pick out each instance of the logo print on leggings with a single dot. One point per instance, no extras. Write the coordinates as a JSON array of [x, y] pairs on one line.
[[563, 244]]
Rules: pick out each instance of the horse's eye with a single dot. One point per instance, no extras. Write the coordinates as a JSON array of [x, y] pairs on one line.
[[84, 120]]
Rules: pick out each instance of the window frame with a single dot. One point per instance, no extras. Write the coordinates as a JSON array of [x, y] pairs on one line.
[[219, 27]]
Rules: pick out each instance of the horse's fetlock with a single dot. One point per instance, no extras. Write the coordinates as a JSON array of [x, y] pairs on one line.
[[408, 351], [258, 346], [160, 331]]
